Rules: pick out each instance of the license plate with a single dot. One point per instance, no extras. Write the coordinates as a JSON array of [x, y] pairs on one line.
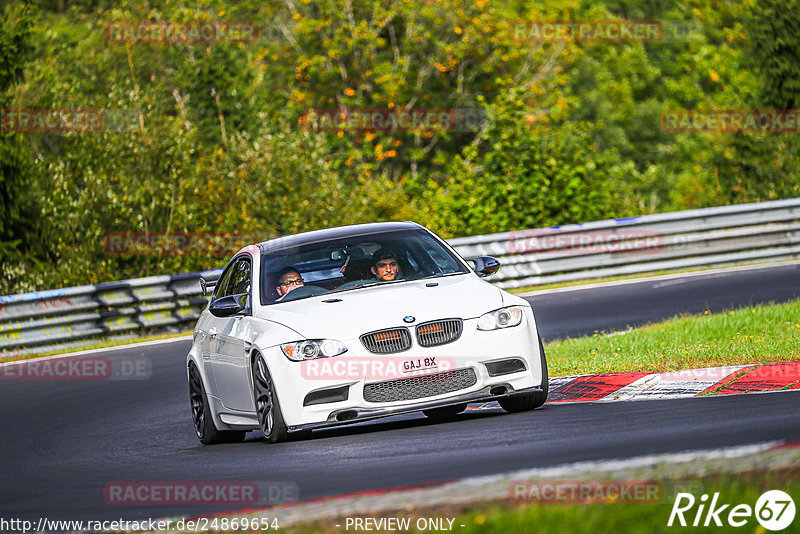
[[420, 364]]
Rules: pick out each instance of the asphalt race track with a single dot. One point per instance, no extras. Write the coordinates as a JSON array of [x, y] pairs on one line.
[[62, 442], [578, 313]]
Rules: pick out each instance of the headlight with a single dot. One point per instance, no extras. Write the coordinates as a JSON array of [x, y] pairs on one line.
[[502, 318], [313, 348]]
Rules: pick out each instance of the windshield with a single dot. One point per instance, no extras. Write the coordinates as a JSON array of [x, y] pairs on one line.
[[352, 262]]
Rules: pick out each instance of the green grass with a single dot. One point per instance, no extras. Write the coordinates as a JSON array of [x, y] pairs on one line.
[[627, 517], [758, 334], [507, 517]]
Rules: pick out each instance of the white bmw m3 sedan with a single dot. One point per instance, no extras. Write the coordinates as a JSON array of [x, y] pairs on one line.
[[347, 324]]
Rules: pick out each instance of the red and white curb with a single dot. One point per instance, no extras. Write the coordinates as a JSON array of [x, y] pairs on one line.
[[610, 387], [728, 380]]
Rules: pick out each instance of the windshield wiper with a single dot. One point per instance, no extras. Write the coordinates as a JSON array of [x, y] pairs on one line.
[[381, 282], [438, 275], [356, 286]]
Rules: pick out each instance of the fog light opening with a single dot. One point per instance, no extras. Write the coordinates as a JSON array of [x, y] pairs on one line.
[[348, 415], [498, 390]]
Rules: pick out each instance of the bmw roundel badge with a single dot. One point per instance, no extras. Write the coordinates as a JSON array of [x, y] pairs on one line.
[[409, 319]]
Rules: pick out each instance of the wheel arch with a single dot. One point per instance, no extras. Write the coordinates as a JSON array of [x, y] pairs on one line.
[[255, 352]]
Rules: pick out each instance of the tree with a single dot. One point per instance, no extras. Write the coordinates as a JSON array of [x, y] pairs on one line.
[[775, 51], [757, 166], [19, 221], [532, 171]]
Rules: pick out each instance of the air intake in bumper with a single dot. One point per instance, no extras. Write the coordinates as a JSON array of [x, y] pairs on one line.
[[326, 395], [505, 367], [419, 387]]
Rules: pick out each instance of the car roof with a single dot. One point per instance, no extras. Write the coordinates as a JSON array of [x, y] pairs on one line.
[[316, 236]]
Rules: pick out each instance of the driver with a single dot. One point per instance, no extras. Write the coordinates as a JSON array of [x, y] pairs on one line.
[[385, 266], [288, 279]]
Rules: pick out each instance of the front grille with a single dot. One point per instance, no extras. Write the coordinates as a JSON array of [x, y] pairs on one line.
[[387, 341], [439, 332], [420, 386]]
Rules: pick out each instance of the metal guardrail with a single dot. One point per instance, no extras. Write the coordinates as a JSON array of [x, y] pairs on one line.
[[54, 319], [767, 231]]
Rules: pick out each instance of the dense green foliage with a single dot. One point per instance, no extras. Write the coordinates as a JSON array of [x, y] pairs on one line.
[[19, 217], [209, 136]]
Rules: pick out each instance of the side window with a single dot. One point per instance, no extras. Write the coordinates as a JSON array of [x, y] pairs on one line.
[[235, 280], [222, 283], [240, 279]]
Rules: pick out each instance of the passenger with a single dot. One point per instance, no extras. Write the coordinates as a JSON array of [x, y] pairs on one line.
[[385, 266], [288, 279]]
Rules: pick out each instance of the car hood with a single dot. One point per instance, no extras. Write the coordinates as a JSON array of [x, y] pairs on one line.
[[375, 308]]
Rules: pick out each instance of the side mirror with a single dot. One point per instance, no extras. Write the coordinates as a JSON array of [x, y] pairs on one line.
[[485, 265], [208, 282], [230, 305]]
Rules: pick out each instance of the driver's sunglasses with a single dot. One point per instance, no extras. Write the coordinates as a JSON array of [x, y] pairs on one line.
[[290, 283]]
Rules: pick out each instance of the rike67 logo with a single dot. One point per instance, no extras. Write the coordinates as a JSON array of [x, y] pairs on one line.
[[774, 510]]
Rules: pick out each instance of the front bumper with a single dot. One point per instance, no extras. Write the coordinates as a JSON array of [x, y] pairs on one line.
[[347, 416], [474, 350]]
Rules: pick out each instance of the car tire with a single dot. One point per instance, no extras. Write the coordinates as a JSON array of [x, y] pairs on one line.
[[204, 426], [445, 412], [525, 402], [268, 410]]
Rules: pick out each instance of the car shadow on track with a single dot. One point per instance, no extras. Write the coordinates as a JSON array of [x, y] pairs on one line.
[[398, 422]]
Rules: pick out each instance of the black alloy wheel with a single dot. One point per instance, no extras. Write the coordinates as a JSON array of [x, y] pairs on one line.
[[204, 426], [270, 419]]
